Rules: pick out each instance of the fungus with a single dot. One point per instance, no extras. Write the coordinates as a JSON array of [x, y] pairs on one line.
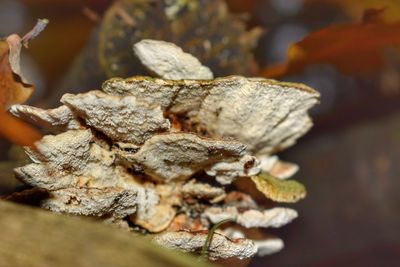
[[159, 152]]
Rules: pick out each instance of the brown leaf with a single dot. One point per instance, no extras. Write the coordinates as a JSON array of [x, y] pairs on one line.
[[14, 89], [353, 48]]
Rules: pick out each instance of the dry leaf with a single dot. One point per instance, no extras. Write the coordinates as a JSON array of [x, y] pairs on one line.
[[16, 131], [353, 48], [14, 89], [279, 190]]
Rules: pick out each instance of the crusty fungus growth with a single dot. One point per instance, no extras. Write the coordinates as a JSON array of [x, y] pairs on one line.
[[169, 61], [164, 153], [221, 247]]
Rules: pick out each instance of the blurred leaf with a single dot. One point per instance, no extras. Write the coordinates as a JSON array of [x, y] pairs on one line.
[[356, 8], [353, 48], [17, 131], [279, 190], [14, 89]]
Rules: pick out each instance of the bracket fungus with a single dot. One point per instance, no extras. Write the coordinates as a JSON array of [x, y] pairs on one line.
[[160, 152], [169, 61]]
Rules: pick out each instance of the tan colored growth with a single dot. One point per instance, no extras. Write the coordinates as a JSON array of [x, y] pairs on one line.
[[169, 61], [221, 247], [157, 153], [274, 114]]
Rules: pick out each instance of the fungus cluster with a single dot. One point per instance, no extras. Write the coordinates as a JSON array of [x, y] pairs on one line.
[[163, 155]]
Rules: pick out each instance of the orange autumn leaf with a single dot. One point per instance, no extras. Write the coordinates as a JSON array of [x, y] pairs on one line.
[[14, 89], [354, 48], [17, 131]]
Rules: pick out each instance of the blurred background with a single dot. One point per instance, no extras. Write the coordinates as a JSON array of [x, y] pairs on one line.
[[346, 49]]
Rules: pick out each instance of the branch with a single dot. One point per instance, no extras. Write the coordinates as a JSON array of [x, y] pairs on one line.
[[31, 238]]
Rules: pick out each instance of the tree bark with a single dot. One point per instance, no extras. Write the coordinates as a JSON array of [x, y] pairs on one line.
[[32, 237]]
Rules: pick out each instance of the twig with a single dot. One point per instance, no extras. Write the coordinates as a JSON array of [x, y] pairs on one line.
[[39, 27]]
